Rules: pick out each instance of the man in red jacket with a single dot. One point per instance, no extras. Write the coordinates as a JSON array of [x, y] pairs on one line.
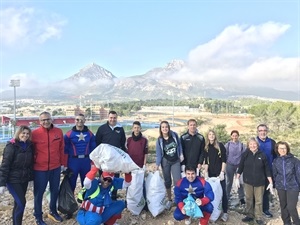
[[48, 158]]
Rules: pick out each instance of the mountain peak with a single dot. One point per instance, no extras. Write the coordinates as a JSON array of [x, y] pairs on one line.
[[92, 72], [175, 64]]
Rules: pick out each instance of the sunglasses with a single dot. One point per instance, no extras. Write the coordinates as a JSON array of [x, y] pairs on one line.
[[108, 179], [79, 120]]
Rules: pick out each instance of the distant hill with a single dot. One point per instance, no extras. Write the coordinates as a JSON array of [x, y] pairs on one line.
[[94, 81]]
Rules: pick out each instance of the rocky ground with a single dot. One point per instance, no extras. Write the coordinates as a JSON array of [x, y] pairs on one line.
[[145, 218]]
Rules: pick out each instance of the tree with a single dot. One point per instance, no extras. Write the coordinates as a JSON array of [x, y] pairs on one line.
[[221, 133]]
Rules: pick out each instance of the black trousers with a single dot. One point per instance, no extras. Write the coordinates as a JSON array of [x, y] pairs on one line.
[[288, 205], [18, 191]]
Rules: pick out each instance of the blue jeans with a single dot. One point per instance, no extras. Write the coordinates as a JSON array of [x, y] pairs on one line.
[[169, 168], [41, 178]]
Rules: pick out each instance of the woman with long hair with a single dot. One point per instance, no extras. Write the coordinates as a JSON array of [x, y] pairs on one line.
[[16, 170], [168, 156], [215, 165]]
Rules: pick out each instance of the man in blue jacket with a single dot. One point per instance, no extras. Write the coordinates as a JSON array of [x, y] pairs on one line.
[[267, 146], [200, 190]]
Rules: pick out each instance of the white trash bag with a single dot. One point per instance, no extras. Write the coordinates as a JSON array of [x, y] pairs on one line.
[[155, 193], [135, 198], [112, 159], [217, 202]]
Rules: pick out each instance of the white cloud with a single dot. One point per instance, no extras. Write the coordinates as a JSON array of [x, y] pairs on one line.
[[240, 54], [26, 80], [22, 26]]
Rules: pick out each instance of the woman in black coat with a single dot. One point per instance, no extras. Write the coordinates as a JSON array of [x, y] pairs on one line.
[[16, 170]]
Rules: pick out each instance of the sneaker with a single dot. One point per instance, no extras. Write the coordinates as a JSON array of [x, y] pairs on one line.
[[247, 219], [169, 205], [260, 222], [224, 217], [268, 214], [40, 222], [187, 221], [55, 217]]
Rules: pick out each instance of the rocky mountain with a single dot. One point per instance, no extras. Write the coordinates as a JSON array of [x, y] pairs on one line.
[[170, 81], [91, 72]]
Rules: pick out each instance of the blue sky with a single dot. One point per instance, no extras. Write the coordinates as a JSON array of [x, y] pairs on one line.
[[251, 41]]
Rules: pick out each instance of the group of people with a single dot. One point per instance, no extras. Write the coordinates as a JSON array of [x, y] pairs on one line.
[[42, 154], [255, 169]]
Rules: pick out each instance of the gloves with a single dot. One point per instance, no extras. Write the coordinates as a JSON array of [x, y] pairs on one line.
[[198, 201], [206, 177], [222, 176], [2, 190], [87, 183], [237, 182], [183, 168], [270, 188], [197, 172], [181, 157]]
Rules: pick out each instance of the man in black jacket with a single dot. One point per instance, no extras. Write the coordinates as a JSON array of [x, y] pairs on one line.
[[112, 133], [192, 145]]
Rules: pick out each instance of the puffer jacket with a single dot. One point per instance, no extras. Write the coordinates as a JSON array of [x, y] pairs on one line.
[[17, 163], [49, 148], [286, 173]]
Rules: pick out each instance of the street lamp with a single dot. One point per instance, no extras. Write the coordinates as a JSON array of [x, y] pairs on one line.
[[173, 109], [14, 83]]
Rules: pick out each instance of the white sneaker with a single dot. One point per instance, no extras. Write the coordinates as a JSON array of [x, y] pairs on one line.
[[224, 217], [187, 221]]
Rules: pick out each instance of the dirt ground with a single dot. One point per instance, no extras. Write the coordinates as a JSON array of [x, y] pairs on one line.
[[145, 218]]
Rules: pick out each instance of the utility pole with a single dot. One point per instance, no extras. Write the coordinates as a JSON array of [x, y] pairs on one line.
[[173, 109]]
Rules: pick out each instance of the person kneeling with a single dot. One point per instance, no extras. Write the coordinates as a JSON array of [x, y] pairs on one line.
[[200, 190], [97, 206]]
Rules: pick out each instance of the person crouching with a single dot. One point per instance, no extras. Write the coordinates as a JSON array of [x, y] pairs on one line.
[[200, 190], [97, 206]]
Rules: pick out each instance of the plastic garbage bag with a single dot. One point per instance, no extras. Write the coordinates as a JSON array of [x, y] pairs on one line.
[[66, 200]]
